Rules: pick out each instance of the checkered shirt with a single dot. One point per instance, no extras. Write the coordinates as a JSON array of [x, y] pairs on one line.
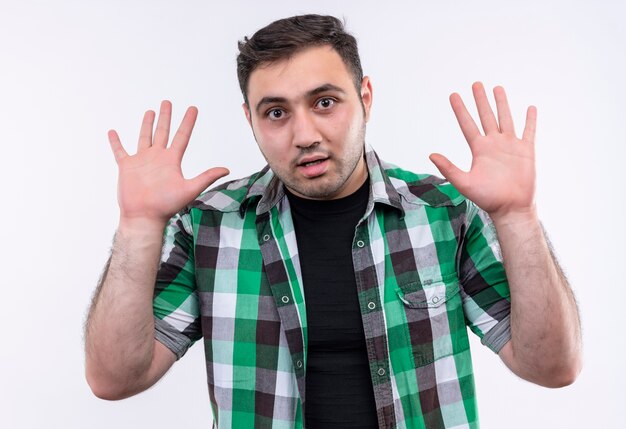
[[427, 265]]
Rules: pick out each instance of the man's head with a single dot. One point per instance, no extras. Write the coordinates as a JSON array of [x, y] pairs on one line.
[[307, 112], [281, 39]]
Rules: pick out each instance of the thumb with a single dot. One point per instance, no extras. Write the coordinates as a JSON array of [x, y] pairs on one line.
[[203, 180], [451, 172]]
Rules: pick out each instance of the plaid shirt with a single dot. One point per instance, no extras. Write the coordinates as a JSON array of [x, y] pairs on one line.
[[427, 265]]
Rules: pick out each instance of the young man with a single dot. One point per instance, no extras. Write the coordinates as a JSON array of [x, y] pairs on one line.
[[331, 289]]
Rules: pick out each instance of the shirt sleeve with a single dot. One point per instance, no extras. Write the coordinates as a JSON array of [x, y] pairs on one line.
[[484, 285], [175, 304]]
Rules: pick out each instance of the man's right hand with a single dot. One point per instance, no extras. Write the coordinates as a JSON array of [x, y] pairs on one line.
[[151, 186], [122, 355]]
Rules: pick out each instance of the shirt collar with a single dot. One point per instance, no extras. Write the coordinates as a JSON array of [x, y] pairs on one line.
[[271, 190]]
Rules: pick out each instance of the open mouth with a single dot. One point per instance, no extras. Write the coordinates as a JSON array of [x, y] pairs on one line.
[[313, 166], [310, 163], [312, 160]]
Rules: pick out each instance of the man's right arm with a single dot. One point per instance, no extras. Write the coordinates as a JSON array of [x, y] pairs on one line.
[[122, 356]]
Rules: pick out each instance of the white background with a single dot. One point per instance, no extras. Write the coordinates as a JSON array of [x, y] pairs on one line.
[[70, 70]]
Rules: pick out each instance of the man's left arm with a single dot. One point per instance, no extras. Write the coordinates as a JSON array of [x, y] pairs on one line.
[[545, 346]]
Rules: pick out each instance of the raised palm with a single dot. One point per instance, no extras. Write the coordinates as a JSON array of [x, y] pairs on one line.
[[151, 185], [501, 179]]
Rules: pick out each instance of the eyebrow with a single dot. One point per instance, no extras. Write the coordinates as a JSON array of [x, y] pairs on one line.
[[324, 88]]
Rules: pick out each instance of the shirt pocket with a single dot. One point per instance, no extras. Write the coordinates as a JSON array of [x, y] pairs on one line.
[[435, 322]]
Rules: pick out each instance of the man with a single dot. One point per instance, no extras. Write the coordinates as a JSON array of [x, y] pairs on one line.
[[331, 289]]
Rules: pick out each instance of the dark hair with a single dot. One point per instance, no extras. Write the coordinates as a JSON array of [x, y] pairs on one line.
[[283, 38]]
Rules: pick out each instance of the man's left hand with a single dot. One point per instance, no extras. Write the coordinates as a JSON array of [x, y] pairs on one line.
[[501, 179]]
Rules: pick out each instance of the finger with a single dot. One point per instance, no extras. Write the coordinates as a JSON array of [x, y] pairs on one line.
[[466, 122], [162, 133], [504, 112], [451, 172], [531, 124], [116, 146], [145, 135], [204, 180], [487, 119], [181, 139]]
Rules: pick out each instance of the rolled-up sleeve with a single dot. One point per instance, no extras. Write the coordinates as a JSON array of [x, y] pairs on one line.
[[484, 285], [175, 303]]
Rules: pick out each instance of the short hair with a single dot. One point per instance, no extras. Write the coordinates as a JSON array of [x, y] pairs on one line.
[[282, 39]]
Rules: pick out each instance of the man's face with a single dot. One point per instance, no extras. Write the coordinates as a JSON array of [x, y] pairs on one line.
[[309, 122]]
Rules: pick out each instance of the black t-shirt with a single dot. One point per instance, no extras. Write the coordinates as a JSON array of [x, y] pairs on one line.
[[339, 392]]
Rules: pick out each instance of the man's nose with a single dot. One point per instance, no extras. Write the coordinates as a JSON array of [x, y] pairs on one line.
[[305, 129]]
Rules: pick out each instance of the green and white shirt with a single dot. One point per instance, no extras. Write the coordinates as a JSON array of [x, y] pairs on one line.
[[427, 265]]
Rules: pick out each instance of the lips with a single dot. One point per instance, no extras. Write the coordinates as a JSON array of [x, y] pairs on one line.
[[311, 160], [313, 166]]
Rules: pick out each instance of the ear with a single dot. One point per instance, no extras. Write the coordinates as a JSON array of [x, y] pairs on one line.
[[246, 110], [367, 96]]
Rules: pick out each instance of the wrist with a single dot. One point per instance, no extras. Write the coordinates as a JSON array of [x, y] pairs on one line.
[[141, 227], [518, 217]]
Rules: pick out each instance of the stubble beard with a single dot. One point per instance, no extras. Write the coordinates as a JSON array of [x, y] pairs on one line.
[[325, 187]]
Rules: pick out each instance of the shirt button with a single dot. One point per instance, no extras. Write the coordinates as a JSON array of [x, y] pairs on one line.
[[285, 299], [266, 237], [360, 243], [381, 371], [371, 305], [299, 364], [435, 300]]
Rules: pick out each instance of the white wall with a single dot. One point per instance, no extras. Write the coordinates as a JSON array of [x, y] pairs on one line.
[[70, 70]]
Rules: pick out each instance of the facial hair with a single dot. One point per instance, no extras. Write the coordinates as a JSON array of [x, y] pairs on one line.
[[325, 186]]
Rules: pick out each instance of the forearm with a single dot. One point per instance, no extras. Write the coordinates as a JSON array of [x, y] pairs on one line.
[[119, 339], [546, 344]]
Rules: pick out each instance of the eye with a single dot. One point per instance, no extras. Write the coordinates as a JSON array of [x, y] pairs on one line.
[[325, 103], [275, 114]]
